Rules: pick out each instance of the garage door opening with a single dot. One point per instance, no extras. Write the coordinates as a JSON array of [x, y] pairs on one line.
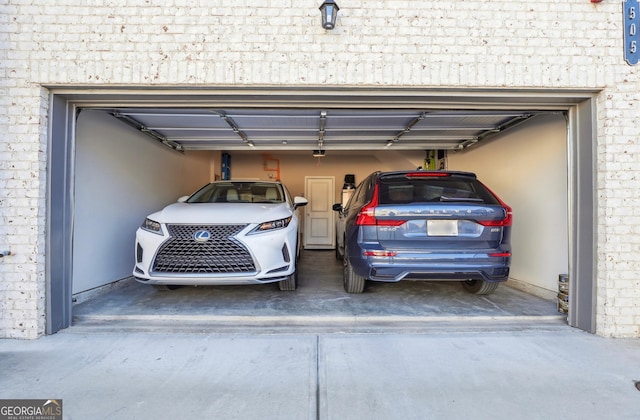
[[119, 167]]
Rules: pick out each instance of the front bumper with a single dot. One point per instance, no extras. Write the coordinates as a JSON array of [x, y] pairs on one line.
[[206, 281], [230, 257]]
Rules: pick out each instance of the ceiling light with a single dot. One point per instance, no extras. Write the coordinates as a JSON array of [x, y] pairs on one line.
[[318, 153], [329, 11]]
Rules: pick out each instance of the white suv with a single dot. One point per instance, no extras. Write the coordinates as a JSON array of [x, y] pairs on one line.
[[228, 232]]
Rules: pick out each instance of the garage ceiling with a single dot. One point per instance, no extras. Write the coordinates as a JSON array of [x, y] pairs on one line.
[[318, 129]]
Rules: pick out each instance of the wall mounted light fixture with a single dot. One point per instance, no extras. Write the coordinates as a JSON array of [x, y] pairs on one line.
[[329, 10]]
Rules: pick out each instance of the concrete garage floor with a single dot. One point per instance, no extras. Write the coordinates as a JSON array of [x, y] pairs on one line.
[[318, 305]]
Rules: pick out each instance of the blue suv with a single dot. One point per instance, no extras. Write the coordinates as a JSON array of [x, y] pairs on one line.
[[424, 225]]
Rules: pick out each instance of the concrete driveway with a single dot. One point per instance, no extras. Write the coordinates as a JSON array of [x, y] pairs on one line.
[[398, 351], [482, 374]]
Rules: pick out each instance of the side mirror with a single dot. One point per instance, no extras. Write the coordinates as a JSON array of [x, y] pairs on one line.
[[183, 199], [299, 202], [337, 207]]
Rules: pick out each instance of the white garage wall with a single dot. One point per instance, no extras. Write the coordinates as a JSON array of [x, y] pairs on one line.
[[527, 168], [121, 176], [295, 165]]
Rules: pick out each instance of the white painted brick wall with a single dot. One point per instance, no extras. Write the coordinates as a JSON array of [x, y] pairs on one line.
[[413, 43]]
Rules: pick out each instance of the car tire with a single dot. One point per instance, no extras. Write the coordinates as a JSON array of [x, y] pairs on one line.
[[299, 250], [290, 283], [479, 287], [353, 283], [340, 255]]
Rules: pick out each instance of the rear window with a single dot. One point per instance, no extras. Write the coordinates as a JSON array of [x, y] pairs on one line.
[[401, 190]]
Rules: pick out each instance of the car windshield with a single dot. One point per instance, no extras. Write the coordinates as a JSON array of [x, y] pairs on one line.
[[401, 190], [239, 192]]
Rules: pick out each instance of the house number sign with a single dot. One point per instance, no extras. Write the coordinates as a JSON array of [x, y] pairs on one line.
[[631, 21]]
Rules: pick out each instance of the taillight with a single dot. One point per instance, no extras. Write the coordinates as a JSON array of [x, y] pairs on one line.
[[425, 174], [508, 218], [506, 221], [366, 215], [500, 254], [380, 253]]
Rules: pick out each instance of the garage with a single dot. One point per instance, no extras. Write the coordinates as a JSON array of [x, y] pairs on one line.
[[117, 155]]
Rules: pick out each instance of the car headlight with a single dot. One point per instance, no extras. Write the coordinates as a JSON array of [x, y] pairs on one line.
[[272, 225], [152, 226]]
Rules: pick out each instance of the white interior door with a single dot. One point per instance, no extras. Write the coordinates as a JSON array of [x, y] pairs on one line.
[[319, 227]]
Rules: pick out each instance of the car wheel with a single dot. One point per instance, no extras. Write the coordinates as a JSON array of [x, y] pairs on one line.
[[353, 283], [299, 250], [480, 287], [339, 252], [290, 283], [166, 287]]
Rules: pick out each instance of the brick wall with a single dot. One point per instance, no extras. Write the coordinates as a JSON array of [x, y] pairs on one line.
[[414, 43]]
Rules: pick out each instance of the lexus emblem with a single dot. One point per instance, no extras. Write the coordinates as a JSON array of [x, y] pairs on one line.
[[202, 236]]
